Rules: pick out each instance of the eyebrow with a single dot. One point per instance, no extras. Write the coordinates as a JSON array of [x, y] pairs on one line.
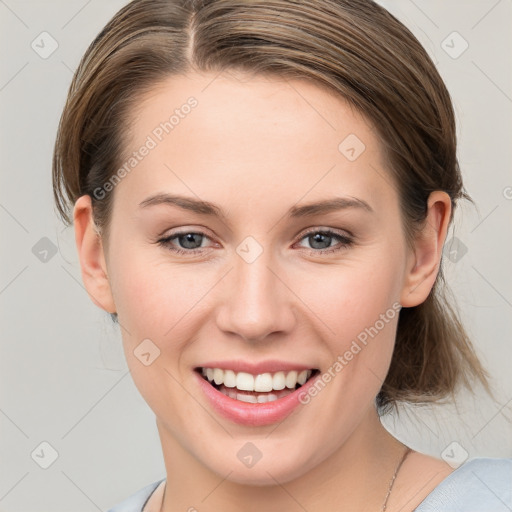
[[206, 208]]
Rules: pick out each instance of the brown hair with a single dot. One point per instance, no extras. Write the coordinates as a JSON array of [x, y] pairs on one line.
[[353, 47]]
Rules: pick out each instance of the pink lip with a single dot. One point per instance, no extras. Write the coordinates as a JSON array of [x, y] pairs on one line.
[[270, 366], [248, 414]]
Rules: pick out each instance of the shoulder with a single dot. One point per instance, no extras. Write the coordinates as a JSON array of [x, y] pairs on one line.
[[479, 485], [136, 501]]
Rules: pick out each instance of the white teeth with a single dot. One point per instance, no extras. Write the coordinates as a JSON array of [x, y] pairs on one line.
[[303, 377], [261, 383], [278, 381], [267, 398], [231, 393], [244, 381], [229, 379], [291, 379], [218, 376], [247, 398]]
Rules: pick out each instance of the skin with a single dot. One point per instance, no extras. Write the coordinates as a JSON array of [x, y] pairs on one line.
[[257, 146]]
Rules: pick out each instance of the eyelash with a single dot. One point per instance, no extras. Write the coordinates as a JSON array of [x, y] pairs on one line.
[[345, 242]]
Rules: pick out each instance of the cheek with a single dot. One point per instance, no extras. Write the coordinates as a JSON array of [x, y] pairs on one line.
[[351, 297], [358, 306], [156, 303], [161, 307], [155, 297]]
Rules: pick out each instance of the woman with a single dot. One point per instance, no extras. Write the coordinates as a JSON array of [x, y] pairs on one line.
[[261, 192]]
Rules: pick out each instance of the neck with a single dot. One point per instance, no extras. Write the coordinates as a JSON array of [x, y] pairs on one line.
[[354, 477]]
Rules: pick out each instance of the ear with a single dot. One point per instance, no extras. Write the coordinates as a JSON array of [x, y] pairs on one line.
[[91, 255], [425, 257]]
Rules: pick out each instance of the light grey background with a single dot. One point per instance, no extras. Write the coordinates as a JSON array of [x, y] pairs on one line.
[[64, 380]]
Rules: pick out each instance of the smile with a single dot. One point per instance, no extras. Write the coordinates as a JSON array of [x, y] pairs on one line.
[[254, 399], [261, 388]]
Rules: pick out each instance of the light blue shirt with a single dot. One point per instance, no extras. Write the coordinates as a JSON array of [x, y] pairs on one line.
[[479, 485]]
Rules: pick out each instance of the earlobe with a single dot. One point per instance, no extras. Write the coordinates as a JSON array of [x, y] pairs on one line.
[[428, 246], [91, 256]]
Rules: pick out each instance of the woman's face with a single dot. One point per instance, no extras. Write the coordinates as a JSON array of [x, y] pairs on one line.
[[240, 272]]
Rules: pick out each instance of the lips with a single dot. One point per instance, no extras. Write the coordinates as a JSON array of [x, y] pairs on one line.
[[269, 366], [252, 398]]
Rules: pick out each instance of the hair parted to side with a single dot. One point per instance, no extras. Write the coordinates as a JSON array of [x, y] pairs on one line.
[[353, 47]]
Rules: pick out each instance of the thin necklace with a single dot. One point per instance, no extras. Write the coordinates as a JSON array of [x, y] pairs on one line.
[[390, 488], [404, 456]]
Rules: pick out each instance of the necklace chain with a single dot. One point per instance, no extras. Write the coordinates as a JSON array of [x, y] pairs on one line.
[[390, 488]]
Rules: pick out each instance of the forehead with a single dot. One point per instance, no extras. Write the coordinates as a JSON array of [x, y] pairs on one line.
[[230, 136]]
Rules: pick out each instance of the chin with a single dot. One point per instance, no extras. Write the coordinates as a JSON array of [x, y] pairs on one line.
[[266, 472]]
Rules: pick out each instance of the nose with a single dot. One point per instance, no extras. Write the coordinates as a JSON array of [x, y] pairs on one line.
[[256, 300]]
